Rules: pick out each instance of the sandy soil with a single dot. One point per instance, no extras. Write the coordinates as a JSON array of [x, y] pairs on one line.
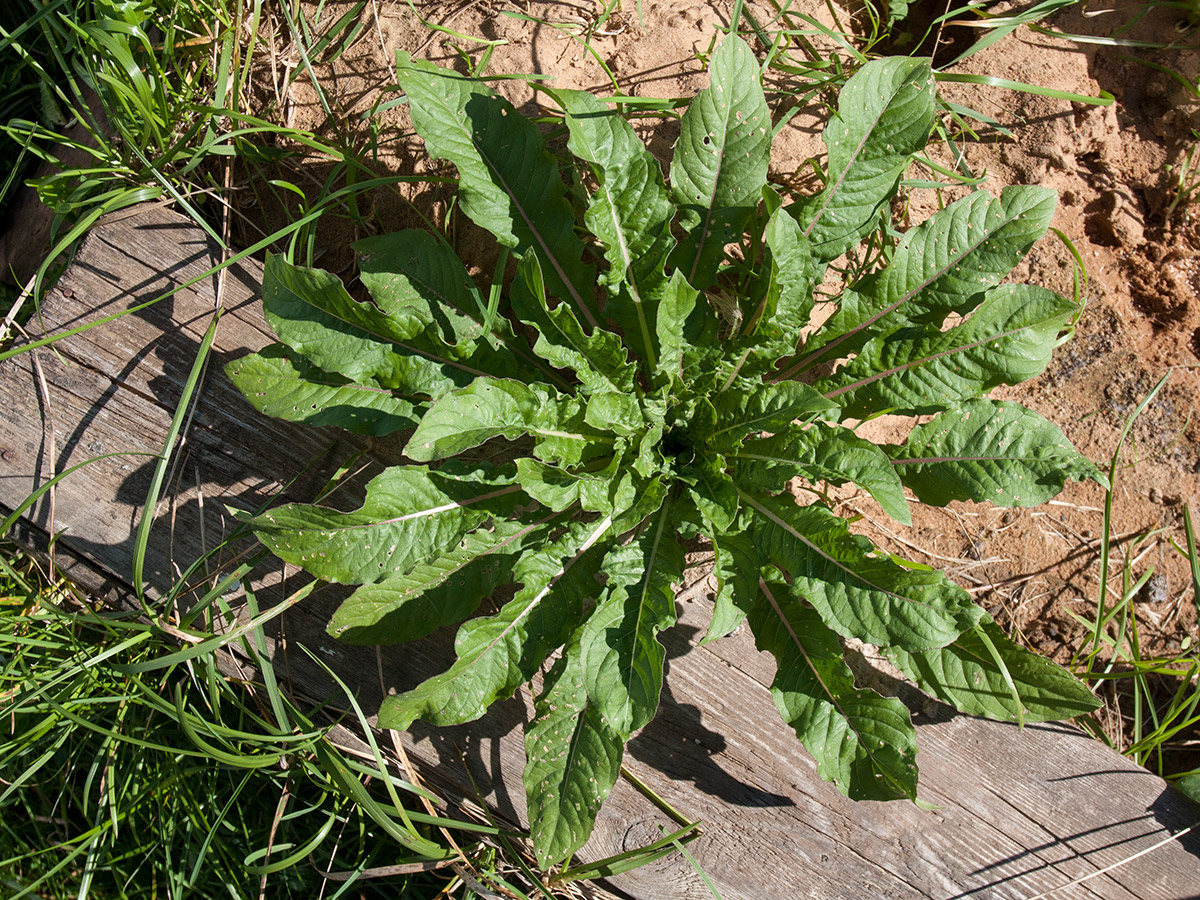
[[1116, 169]]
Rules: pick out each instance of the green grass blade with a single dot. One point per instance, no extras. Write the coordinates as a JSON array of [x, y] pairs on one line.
[[142, 536], [1104, 98]]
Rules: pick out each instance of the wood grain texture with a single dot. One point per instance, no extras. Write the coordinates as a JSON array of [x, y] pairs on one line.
[[1016, 812]]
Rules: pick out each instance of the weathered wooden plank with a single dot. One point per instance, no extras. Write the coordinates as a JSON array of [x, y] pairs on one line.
[[1017, 812]]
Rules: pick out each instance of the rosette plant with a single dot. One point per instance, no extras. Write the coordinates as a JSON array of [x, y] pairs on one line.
[[648, 375]]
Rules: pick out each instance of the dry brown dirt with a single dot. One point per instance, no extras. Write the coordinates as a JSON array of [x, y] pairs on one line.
[[1116, 169]]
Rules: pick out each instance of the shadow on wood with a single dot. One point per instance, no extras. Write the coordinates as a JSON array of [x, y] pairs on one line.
[[1015, 812]]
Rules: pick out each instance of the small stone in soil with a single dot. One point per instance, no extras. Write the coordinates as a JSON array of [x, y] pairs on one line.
[[1154, 591]]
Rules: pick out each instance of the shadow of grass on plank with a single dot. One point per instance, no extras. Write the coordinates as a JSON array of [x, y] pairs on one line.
[[180, 781]]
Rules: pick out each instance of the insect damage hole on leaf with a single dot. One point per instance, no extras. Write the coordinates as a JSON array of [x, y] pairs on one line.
[[637, 386]]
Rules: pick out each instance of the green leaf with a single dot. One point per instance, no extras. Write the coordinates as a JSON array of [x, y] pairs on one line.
[[442, 591], [491, 407], [967, 674], [761, 407], [649, 460], [989, 450], [313, 315], [650, 496], [859, 592], [785, 297], [703, 364], [712, 491], [1189, 786], [622, 657], [942, 266], [281, 384], [410, 515], [822, 452], [573, 759], [630, 213], [415, 272], [497, 653], [675, 301], [736, 565], [598, 360], [419, 278], [618, 413], [863, 743], [609, 490], [508, 182], [885, 113], [897, 10], [921, 369], [720, 162], [631, 210]]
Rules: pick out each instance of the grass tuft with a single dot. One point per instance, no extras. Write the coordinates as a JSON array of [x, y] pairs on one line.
[[129, 775], [1152, 702]]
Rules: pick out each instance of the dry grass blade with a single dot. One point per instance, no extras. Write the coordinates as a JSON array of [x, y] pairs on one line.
[[1111, 868]]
